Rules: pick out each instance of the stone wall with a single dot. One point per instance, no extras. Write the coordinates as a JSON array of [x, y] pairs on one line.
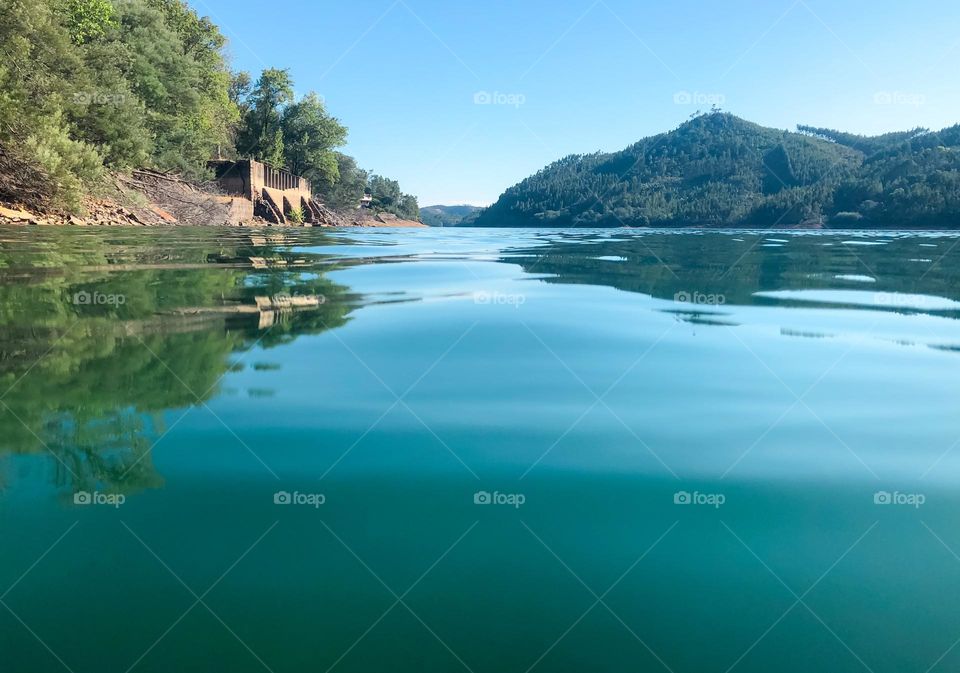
[[255, 181]]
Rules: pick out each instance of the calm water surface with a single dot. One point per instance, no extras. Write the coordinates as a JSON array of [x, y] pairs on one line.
[[448, 450]]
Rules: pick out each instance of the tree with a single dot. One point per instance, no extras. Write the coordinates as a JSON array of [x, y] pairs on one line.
[[240, 86], [262, 136], [348, 187], [309, 136], [37, 138], [388, 198], [174, 62], [89, 19], [409, 208], [121, 84]]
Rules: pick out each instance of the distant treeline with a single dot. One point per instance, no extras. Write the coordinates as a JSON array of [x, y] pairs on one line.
[[719, 170], [91, 86], [449, 216]]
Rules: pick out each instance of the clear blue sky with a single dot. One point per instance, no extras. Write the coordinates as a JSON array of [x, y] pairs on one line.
[[578, 76]]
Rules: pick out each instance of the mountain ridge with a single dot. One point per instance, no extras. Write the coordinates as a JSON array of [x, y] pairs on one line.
[[718, 170], [449, 216]]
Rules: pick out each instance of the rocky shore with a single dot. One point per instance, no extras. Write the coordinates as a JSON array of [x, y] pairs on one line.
[[151, 199]]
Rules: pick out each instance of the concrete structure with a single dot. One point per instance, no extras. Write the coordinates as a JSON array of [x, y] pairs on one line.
[[274, 193]]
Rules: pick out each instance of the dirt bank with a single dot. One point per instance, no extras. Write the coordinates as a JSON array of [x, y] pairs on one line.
[[382, 220], [152, 199]]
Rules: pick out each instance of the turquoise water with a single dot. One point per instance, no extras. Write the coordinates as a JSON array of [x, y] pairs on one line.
[[442, 450]]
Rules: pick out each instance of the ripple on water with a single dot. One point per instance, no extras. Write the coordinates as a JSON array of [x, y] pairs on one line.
[[920, 302], [854, 278]]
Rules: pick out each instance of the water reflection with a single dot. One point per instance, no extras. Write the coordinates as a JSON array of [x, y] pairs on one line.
[[103, 332], [404, 386], [870, 283], [738, 266], [99, 334]]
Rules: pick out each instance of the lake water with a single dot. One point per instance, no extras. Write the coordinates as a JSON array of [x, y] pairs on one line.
[[444, 450]]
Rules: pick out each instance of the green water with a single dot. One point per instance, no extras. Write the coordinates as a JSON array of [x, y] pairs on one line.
[[591, 382]]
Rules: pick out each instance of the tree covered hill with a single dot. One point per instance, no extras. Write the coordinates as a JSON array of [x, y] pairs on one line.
[[449, 216], [90, 87], [720, 170]]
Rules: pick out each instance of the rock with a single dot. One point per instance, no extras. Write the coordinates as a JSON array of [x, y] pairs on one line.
[[77, 222], [163, 215], [17, 215]]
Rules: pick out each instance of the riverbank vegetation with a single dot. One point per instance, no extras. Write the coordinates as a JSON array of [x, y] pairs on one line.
[[90, 87]]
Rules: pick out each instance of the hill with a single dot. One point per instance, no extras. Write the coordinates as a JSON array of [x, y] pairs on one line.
[[718, 170], [448, 216]]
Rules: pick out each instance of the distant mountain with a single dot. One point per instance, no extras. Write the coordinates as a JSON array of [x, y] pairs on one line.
[[448, 216], [718, 170]]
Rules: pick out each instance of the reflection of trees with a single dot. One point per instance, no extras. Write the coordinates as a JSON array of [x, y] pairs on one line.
[[89, 382], [112, 450], [716, 263]]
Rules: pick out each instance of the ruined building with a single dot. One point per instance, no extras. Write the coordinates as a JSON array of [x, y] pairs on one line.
[[273, 194]]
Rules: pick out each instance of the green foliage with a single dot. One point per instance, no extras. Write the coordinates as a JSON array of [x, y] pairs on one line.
[[351, 183], [302, 137], [449, 216], [387, 198], [865, 144], [261, 136], [89, 19], [37, 87], [175, 65], [718, 170], [87, 84], [66, 163], [309, 136], [239, 92], [343, 191], [906, 182], [93, 84], [296, 215]]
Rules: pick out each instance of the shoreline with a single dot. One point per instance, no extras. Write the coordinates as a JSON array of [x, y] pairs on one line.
[[23, 218], [145, 199]]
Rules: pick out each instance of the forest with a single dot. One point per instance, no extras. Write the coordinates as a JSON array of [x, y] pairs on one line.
[[90, 87], [717, 170]]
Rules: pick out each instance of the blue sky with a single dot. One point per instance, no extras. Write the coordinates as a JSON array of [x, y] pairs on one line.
[[459, 99]]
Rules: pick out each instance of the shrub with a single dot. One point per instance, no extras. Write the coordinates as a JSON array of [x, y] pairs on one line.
[[296, 216]]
